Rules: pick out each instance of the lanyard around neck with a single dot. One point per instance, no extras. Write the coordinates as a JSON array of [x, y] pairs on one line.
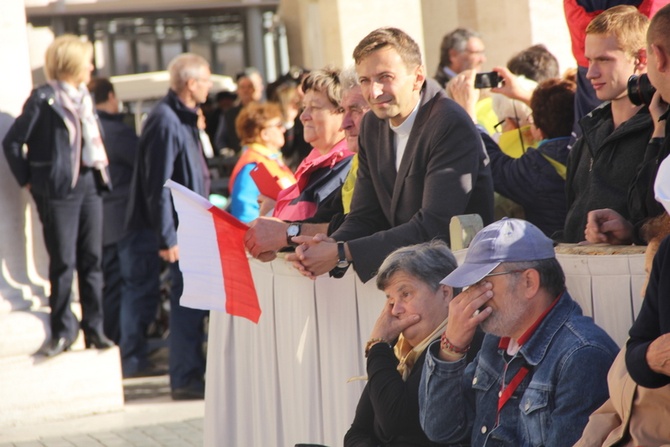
[[506, 392]]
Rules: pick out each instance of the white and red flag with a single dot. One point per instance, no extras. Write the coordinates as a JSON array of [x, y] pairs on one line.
[[212, 257]]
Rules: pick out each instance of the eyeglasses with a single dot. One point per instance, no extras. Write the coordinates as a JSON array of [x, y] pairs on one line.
[[506, 272], [498, 127], [272, 126]]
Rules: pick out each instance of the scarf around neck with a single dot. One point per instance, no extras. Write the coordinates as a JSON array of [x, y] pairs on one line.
[[81, 124], [407, 355]]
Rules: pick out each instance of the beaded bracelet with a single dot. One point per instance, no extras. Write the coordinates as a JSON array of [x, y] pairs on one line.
[[370, 343], [448, 347]]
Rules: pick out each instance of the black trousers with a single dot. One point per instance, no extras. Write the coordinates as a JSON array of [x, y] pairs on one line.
[[72, 228]]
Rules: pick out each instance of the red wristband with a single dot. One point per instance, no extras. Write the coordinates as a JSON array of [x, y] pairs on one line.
[[446, 345]]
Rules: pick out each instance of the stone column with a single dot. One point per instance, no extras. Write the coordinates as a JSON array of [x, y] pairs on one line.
[[326, 31], [322, 32], [254, 36], [22, 252]]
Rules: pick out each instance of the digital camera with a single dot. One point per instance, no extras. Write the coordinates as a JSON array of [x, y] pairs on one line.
[[487, 79], [640, 90]]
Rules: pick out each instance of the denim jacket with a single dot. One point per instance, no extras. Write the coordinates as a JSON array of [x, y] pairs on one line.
[[568, 357]]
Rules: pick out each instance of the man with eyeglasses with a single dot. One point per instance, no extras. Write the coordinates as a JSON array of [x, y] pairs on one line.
[[542, 367], [462, 49], [169, 148]]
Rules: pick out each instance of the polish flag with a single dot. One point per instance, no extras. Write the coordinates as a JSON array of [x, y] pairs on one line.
[[212, 257]]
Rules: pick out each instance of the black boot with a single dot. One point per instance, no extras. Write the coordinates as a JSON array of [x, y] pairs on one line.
[[97, 340], [57, 346]]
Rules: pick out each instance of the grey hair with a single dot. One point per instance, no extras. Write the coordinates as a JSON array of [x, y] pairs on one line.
[[506, 107], [456, 40], [348, 78], [429, 262], [552, 278], [184, 67]]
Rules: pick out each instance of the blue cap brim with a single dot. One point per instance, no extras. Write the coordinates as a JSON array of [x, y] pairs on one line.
[[468, 274]]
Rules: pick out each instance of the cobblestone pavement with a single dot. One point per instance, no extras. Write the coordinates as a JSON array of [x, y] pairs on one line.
[[150, 418], [173, 434]]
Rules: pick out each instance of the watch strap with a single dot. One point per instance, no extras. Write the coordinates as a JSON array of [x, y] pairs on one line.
[[341, 255]]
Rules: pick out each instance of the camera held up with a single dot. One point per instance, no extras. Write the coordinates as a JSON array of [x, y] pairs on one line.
[[488, 80], [640, 90]]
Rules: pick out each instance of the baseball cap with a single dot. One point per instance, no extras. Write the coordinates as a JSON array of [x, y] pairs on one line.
[[507, 240]]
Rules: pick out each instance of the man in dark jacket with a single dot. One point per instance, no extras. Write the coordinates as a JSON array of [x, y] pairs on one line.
[[461, 49], [121, 144], [603, 162], [421, 162], [648, 347], [170, 149]]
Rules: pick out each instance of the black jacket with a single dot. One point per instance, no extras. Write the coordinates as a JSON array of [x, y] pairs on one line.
[[388, 410], [444, 173], [642, 203], [652, 321], [602, 165], [121, 145], [50, 163]]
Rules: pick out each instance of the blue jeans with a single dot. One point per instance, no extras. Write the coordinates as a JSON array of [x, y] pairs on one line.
[[187, 335], [140, 270]]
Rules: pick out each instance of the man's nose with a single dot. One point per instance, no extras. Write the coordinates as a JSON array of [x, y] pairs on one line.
[[347, 122], [592, 72], [377, 89]]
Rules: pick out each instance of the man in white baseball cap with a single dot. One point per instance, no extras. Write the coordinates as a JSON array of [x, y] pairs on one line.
[[542, 368]]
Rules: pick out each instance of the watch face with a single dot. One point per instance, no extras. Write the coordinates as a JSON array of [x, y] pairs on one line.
[[342, 264], [292, 230]]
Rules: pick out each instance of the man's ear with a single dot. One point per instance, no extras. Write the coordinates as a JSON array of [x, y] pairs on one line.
[[661, 58], [531, 282], [190, 84], [641, 61], [420, 74]]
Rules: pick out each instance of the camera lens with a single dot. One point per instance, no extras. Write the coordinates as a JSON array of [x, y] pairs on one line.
[[640, 90]]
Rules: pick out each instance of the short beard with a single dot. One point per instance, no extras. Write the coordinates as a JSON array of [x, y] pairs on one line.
[[505, 321]]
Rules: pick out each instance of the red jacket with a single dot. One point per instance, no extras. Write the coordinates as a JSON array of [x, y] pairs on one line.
[[318, 177], [579, 13]]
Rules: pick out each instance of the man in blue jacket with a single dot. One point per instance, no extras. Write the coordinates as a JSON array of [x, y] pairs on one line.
[[170, 149], [542, 367]]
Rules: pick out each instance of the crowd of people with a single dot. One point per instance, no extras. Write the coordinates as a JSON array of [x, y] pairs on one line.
[[378, 159]]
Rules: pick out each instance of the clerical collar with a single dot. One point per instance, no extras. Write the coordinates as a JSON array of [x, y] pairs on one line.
[[406, 126]]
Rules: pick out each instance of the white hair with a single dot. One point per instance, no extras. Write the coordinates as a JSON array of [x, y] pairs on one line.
[[505, 107]]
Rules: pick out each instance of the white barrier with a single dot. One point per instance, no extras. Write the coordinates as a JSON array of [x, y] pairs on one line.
[[284, 381]]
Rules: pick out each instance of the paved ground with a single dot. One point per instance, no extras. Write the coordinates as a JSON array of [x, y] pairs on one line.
[[150, 418]]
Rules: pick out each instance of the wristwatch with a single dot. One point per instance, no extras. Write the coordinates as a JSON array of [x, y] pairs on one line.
[[292, 231], [342, 262]]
